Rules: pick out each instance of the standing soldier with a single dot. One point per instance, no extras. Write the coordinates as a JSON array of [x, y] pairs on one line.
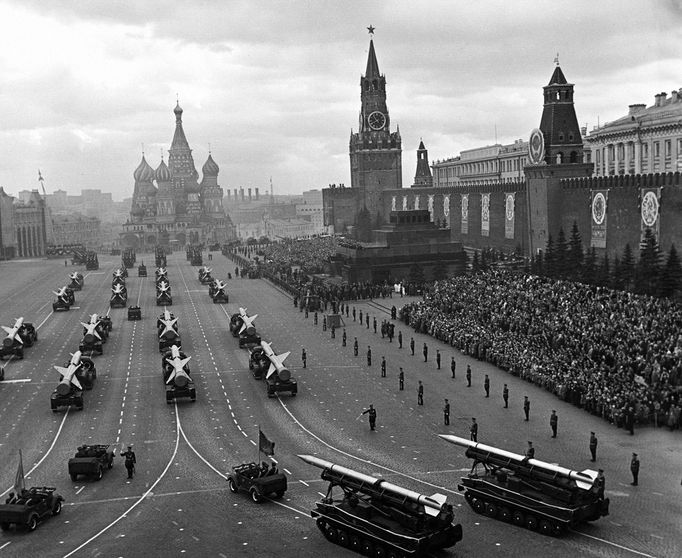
[[360, 317], [468, 375], [372, 416], [324, 323], [400, 339], [505, 396], [473, 430], [367, 320], [401, 379], [315, 317], [453, 366], [355, 346], [393, 312], [486, 385], [383, 366], [446, 413], [634, 469], [420, 393], [347, 312], [369, 355], [425, 352], [391, 332], [130, 461], [438, 358], [306, 312], [295, 301], [593, 446], [526, 406], [374, 323], [353, 313], [343, 339], [553, 422], [304, 357], [530, 451], [412, 345], [333, 331], [601, 484]]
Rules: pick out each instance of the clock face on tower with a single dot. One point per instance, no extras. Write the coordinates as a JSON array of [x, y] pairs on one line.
[[376, 120]]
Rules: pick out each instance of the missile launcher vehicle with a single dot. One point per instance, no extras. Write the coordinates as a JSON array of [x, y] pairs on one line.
[[21, 335], [119, 296], [159, 257], [176, 375], [249, 477], [163, 294], [128, 257], [91, 461], [167, 328], [241, 326], [77, 281], [218, 292], [77, 375], [205, 276], [142, 270], [258, 362], [528, 492], [65, 299], [30, 507], [278, 378], [377, 518]]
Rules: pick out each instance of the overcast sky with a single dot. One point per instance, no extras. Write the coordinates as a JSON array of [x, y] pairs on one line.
[[274, 87]]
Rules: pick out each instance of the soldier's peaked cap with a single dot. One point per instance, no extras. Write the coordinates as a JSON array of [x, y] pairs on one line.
[[634, 455]]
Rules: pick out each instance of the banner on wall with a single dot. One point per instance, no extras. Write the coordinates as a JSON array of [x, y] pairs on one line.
[[416, 202], [429, 205], [650, 212], [465, 213], [485, 214], [509, 214], [404, 203], [393, 200], [600, 200]]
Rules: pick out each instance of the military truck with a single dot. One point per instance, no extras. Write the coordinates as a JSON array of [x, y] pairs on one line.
[[30, 507], [251, 478], [258, 362], [142, 270], [13, 347], [176, 375], [91, 461], [134, 313], [281, 381]]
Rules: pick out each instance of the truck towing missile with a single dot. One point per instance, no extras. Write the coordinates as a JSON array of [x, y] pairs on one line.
[[119, 296], [529, 492], [278, 378], [176, 375], [22, 334], [79, 373], [378, 518], [218, 293], [76, 280], [94, 335], [64, 300], [241, 325], [163, 294], [167, 327]]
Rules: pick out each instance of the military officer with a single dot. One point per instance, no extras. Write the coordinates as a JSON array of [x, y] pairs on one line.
[[374, 323], [353, 313], [468, 375], [634, 469], [526, 407], [130, 461], [412, 345], [438, 359], [401, 379], [486, 385], [530, 451], [304, 357], [553, 423], [420, 393], [372, 416], [400, 339], [343, 339], [593, 446], [453, 366], [360, 317], [473, 430], [355, 346], [315, 318], [369, 355], [383, 366], [425, 352], [446, 413], [367, 320], [505, 396]]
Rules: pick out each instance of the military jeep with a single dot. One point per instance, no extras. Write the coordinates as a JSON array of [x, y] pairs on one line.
[[249, 477], [30, 507], [91, 461]]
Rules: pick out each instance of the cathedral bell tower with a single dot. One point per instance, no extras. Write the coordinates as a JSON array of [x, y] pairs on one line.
[[375, 151]]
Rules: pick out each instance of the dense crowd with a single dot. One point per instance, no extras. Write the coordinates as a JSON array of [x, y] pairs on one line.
[[614, 353]]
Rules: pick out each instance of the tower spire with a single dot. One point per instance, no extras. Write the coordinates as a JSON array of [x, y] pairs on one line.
[[372, 70]]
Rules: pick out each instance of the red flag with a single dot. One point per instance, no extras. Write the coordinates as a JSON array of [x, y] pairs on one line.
[[19, 484], [265, 445]]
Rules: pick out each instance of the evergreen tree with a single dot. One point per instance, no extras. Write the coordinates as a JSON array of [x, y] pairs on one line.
[[575, 253], [589, 271], [561, 263], [648, 271], [550, 258], [671, 277], [627, 268]]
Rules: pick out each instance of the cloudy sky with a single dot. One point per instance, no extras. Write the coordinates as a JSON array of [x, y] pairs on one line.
[[273, 86]]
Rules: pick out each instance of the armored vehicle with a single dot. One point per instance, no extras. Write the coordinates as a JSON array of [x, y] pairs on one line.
[[159, 257], [27, 509], [119, 297], [76, 281], [91, 261], [21, 335], [258, 362], [251, 478], [91, 461], [134, 313], [176, 375], [528, 492], [376, 518], [128, 257], [142, 270]]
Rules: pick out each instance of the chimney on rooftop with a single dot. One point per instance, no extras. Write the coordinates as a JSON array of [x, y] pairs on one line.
[[673, 96], [249, 194], [256, 194], [634, 109]]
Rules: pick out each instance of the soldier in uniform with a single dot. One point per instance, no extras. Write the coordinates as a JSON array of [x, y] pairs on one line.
[[412, 345], [438, 359], [473, 430], [333, 331], [324, 323], [420, 394], [372, 416], [374, 323], [401, 379], [304, 357], [393, 312], [369, 355], [400, 339], [601, 484], [486, 385], [634, 469], [315, 317], [505, 396], [453, 366], [347, 312], [593, 446], [306, 312], [468, 375], [391, 332], [343, 339], [425, 352], [130, 461], [367, 320], [553, 423], [526, 407], [355, 346], [360, 317], [530, 451], [353, 313], [446, 413], [383, 366]]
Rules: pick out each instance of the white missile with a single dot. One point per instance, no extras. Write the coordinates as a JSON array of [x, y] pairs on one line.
[[118, 289], [433, 505], [68, 375], [91, 329], [168, 327], [13, 333], [247, 322], [162, 287], [276, 362], [61, 293], [178, 374]]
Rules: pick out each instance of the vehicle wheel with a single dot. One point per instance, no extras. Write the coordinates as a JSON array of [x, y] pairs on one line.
[[32, 522], [491, 510], [4, 526], [545, 527], [505, 514], [255, 495], [74, 477], [557, 529], [355, 543], [279, 494], [367, 547], [343, 538], [231, 485], [57, 508], [531, 522], [99, 474], [331, 534], [518, 518], [379, 552], [478, 505]]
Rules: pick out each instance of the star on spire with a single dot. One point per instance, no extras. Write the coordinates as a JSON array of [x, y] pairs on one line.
[[371, 29]]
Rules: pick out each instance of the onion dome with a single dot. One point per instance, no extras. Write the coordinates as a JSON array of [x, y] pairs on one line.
[[163, 172], [143, 172], [210, 167], [178, 110]]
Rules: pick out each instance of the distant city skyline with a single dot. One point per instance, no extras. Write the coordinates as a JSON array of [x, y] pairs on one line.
[[273, 87]]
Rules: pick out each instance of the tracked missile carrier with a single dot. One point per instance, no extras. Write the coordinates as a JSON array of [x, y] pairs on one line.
[[91, 461], [528, 492], [128, 257], [119, 298], [30, 507], [376, 518]]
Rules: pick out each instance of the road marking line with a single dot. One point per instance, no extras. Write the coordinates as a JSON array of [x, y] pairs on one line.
[[80, 489], [17, 381], [4, 545]]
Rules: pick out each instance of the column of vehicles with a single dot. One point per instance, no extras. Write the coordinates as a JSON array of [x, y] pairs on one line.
[[174, 362], [163, 289], [128, 257], [217, 289], [119, 292], [21, 335]]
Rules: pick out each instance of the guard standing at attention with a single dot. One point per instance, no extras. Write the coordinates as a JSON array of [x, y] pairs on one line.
[[304, 357], [420, 393], [412, 345], [425, 351], [553, 423], [438, 359], [505, 396], [383, 366], [453, 366], [446, 413], [593, 446], [374, 323], [360, 317], [526, 407], [400, 339], [473, 430], [343, 339], [315, 318], [401, 379], [468, 375], [372, 417], [333, 331], [369, 355], [353, 313], [486, 385], [355, 346], [634, 469], [367, 320], [130, 461], [324, 323]]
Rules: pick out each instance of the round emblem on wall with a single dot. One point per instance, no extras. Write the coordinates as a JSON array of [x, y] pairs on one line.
[[536, 147], [649, 209], [599, 208], [509, 207]]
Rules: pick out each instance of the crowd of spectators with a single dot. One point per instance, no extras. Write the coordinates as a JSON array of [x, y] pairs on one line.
[[614, 353]]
